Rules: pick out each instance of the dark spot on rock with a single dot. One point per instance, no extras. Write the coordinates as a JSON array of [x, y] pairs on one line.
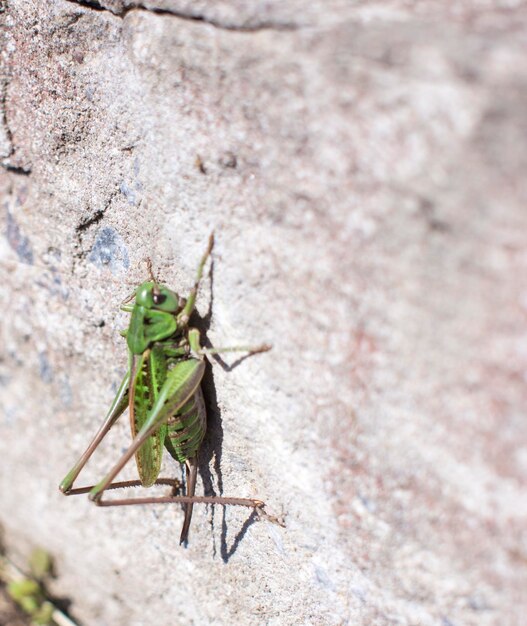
[[18, 242], [200, 164], [21, 195], [228, 160], [429, 210], [128, 193], [45, 369], [65, 392], [56, 253], [109, 251], [323, 578]]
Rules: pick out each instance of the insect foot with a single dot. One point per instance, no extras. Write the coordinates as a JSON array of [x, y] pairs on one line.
[[274, 519]]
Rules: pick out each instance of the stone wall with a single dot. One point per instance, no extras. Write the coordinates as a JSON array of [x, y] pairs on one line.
[[363, 167]]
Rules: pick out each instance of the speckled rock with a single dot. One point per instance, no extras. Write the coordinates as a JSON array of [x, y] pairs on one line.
[[363, 166]]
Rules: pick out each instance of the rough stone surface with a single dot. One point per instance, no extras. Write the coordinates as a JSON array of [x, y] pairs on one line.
[[363, 165]]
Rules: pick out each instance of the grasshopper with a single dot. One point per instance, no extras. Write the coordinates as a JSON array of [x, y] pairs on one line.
[[162, 391]]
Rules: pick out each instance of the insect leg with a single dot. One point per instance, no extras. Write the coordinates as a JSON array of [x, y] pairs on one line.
[[194, 341], [192, 474], [184, 316], [172, 482], [252, 503], [118, 406], [265, 347], [181, 383], [126, 300]]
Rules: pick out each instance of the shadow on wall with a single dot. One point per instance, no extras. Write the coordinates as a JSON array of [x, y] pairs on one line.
[[210, 452]]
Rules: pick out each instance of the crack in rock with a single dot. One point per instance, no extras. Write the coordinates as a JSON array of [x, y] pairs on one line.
[[95, 5], [90, 221], [7, 148], [14, 169], [6, 142], [86, 224]]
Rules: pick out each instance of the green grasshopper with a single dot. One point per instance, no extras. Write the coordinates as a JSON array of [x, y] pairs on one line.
[[162, 390]]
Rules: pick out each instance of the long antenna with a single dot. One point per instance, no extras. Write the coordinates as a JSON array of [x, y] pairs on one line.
[[150, 270]]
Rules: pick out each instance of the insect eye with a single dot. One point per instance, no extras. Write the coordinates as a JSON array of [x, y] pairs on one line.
[[158, 298]]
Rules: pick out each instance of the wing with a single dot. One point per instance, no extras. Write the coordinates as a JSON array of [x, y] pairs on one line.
[[181, 382], [149, 373]]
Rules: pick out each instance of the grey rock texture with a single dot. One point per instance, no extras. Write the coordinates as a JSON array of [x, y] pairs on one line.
[[363, 165]]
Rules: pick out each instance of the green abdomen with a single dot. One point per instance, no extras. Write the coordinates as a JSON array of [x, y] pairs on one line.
[[186, 429]]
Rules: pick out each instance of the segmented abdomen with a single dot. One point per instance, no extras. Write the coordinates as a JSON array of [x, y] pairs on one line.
[[186, 429]]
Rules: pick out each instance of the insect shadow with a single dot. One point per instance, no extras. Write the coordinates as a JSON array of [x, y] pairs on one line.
[[211, 449]]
